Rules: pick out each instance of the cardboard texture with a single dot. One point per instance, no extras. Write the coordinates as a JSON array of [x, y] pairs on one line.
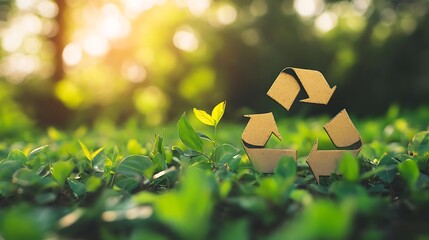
[[265, 159], [286, 87], [259, 129], [284, 90]]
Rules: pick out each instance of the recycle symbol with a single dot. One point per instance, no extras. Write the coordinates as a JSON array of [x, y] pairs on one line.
[[284, 91]]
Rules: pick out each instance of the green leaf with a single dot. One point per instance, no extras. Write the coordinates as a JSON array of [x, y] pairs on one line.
[[158, 146], [188, 135], [77, 187], [349, 168], [286, 168], [61, 170], [224, 153], [409, 171], [19, 223], [17, 155], [419, 145], [389, 163], [204, 117], [127, 184], [85, 151], [93, 183], [134, 166], [36, 151], [8, 168], [25, 177], [218, 111], [159, 162]]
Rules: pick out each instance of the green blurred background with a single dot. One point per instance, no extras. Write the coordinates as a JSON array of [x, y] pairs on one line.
[[69, 62]]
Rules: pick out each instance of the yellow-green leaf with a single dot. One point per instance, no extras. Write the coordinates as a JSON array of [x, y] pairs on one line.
[[85, 150], [218, 111], [204, 117], [94, 154]]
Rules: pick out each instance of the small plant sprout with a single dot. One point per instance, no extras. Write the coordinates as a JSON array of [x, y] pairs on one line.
[[90, 156], [213, 119]]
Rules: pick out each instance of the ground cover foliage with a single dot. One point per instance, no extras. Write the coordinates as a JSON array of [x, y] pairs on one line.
[[130, 182]]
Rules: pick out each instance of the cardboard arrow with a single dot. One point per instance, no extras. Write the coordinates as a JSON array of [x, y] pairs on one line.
[[286, 88], [256, 135], [259, 129], [325, 162], [265, 159], [343, 133]]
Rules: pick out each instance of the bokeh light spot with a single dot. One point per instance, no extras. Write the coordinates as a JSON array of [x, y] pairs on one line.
[[250, 37], [96, 45], [308, 8], [114, 24], [47, 9], [72, 54], [326, 22], [69, 93], [226, 14], [258, 8], [133, 72], [185, 39], [198, 7], [152, 103], [198, 83]]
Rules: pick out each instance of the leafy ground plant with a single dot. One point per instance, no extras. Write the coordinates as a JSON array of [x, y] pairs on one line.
[[129, 188]]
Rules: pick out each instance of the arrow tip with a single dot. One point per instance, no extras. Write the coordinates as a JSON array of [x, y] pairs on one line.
[[322, 97]]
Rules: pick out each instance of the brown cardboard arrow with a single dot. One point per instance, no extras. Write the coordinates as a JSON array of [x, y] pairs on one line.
[[286, 88], [342, 133], [265, 159], [256, 135], [259, 129]]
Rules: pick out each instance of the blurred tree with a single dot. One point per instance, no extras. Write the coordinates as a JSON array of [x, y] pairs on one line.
[[157, 58]]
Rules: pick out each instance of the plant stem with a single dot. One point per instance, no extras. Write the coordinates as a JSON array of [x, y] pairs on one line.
[[214, 137]]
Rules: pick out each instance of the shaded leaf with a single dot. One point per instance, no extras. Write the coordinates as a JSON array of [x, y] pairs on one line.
[[188, 135], [349, 167], [286, 168], [409, 171], [25, 177], [17, 155], [61, 170], [134, 166]]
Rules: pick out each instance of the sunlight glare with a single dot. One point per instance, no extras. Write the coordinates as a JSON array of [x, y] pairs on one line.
[[308, 8], [133, 72], [198, 7], [226, 14], [185, 39], [72, 54], [12, 39], [18, 66], [114, 25], [135, 7], [47, 9], [96, 45], [32, 45], [326, 22], [30, 24], [25, 4]]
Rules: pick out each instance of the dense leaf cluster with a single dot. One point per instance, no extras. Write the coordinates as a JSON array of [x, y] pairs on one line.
[[203, 189]]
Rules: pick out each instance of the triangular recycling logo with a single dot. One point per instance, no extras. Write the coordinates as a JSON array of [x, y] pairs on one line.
[[284, 91]]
